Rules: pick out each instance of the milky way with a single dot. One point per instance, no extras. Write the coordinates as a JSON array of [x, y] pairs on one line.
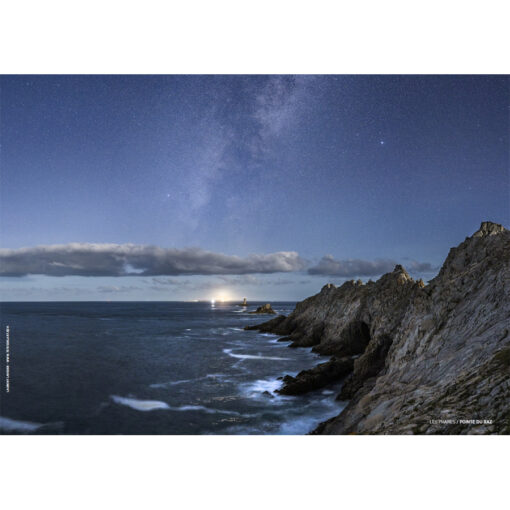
[[337, 169]]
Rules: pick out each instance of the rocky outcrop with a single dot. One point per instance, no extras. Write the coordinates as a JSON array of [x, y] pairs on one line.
[[265, 309], [429, 359], [271, 326], [316, 377]]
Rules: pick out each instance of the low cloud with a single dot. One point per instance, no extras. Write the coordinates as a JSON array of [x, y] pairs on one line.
[[84, 259], [420, 267], [329, 266]]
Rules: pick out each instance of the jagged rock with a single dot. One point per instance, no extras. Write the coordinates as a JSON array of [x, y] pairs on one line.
[[431, 358], [368, 365], [342, 321], [264, 309], [275, 326], [487, 228], [317, 377]]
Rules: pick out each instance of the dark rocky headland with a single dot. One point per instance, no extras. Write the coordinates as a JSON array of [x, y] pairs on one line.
[[415, 358]]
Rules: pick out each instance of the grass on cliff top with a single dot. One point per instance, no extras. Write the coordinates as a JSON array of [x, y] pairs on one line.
[[503, 357]]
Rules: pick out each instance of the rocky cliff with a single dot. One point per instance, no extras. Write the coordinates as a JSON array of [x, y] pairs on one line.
[[419, 359]]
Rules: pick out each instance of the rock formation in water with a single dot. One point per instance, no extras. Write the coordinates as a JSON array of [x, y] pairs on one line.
[[317, 377], [420, 359], [264, 309]]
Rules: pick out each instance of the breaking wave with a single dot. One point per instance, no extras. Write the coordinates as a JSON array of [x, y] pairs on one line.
[[140, 405], [8, 425], [150, 405], [252, 356], [261, 386]]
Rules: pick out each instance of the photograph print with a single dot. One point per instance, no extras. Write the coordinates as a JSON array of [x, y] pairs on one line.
[[255, 254]]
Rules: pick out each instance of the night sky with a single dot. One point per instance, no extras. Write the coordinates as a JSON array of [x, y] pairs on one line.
[[201, 187]]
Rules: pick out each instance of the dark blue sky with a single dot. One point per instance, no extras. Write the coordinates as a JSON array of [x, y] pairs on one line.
[[366, 170]]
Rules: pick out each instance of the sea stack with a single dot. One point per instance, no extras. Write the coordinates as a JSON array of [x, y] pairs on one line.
[[265, 309]]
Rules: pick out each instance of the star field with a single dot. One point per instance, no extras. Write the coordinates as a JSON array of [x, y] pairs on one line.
[[354, 167]]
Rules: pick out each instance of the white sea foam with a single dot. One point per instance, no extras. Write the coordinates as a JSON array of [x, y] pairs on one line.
[[204, 409], [262, 385], [184, 381], [299, 426], [149, 405], [252, 356], [324, 409], [275, 340], [259, 389], [8, 425], [296, 426], [170, 383], [219, 378], [221, 331], [140, 405]]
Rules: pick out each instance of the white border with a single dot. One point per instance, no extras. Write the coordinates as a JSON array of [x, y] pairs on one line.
[[253, 37], [267, 36], [184, 472]]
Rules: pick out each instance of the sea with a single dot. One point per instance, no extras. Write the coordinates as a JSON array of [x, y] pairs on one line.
[[151, 368]]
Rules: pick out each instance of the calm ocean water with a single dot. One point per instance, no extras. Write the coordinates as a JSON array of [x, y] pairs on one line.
[[151, 368]]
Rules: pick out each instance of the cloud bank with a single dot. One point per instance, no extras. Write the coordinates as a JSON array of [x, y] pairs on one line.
[[85, 259], [329, 266], [88, 259]]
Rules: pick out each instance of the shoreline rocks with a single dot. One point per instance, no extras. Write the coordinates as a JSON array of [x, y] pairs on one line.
[[316, 377], [424, 359], [271, 326]]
